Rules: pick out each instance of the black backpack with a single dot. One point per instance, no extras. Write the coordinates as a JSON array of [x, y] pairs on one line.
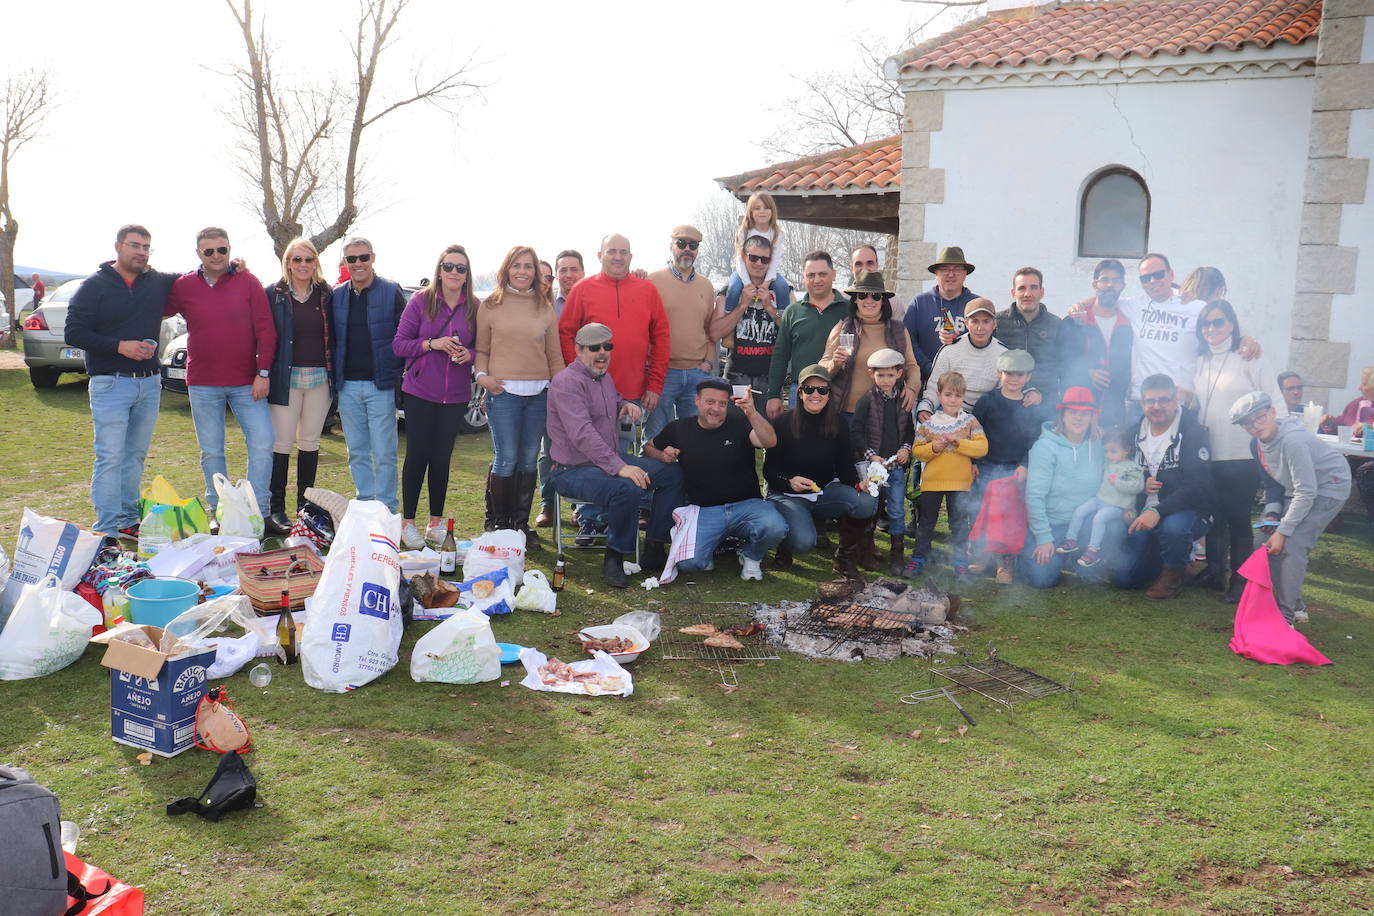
[[33, 872]]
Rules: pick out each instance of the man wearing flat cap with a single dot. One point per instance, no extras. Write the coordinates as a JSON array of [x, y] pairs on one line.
[[584, 410], [927, 313], [974, 356], [688, 298]]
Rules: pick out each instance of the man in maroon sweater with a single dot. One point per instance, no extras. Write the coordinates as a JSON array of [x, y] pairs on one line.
[[228, 357]]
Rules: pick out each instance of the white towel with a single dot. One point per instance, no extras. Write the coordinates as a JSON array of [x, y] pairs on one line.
[[684, 541]]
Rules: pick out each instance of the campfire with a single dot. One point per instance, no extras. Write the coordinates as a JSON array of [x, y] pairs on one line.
[[851, 621]]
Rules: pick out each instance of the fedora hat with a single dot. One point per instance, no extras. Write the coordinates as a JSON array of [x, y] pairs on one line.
[[869, 281], [951, 254]]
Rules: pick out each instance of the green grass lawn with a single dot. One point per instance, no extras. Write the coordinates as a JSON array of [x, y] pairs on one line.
[[1186, 779]]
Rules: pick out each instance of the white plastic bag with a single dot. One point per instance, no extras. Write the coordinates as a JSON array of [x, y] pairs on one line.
[[47, 546], [237, 511], [612, 680], [461, 650], [493, 550], [536, 594], [352, 629], [47, 631], [647, 622], [491, 593]]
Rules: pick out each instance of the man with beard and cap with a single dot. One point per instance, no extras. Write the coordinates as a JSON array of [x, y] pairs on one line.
[[1095, 344], [1316, 483], [688, 300], [716, 452], [926, 315], [584, 410], [1172, 449]]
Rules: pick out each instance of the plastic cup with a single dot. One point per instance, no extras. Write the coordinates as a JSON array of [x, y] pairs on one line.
[[740, 391], [1344, 434], [260, 675], [846, 341]]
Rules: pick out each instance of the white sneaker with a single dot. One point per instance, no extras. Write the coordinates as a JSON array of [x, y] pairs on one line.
[[1300, 617], [410, 537], [751, 570]]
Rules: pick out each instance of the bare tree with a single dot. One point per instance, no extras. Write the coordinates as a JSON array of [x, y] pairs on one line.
[[26, 101], [304, 143]]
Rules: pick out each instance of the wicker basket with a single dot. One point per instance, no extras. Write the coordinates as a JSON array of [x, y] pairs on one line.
[[264, 576]]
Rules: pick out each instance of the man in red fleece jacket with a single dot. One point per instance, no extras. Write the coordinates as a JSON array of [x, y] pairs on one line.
[[633, 310], [228, 357]]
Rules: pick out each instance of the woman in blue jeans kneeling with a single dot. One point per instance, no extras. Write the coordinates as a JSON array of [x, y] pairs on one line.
[[1064, 471], [517, 353], [811, 474]]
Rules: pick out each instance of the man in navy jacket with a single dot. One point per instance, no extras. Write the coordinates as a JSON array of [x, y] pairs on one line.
[[926, 313]]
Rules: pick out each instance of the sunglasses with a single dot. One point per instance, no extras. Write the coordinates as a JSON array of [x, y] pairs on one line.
[[758, 258], [597, 348], [814, 389], [1152, 277], [207, 252], [298, 259], [684, 244], [355, 258], [876, 297], [1213, 323], [449, 267]]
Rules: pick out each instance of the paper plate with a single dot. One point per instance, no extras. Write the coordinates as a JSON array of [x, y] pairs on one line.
[[510, 652]]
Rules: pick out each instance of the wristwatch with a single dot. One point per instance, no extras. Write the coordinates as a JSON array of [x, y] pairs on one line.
[[264, 373]]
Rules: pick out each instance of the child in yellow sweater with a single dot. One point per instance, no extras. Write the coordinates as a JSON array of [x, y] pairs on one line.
[[947, 443]]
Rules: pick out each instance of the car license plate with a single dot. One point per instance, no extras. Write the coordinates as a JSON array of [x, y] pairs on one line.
[[73, 353], [176, 373]]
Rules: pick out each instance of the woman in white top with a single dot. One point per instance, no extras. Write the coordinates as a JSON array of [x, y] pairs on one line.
[[1222, 377]]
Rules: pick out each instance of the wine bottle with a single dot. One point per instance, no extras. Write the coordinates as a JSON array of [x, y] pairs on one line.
[[286, 631], [448, 552]]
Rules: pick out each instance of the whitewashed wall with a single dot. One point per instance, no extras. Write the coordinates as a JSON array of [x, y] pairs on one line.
[[1224, 161]]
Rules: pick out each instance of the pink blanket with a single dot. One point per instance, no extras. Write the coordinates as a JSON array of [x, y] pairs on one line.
[[1261, 633]]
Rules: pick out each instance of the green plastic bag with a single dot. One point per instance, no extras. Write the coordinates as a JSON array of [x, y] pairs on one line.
[[188, 516]]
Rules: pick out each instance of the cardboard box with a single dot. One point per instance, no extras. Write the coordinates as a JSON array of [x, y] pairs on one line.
[[153, 696]]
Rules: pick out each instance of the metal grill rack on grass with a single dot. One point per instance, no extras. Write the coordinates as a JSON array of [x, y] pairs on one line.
[[994, 679], [675, 646]]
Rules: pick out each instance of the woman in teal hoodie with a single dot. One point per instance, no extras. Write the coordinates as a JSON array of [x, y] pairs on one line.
[[1064, 471]]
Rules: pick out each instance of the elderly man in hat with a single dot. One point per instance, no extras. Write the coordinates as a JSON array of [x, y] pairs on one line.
[[1316, 483], [716, 452], [583, 413], [688, 299], [928, 315], [974, 356]]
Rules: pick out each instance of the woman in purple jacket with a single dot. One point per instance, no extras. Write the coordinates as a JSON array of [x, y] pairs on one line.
[[435, 338]]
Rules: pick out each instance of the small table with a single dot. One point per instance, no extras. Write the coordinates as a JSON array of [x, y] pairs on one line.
[[1352, 449]]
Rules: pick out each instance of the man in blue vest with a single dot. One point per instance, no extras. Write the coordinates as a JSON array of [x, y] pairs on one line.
[[367, 310]]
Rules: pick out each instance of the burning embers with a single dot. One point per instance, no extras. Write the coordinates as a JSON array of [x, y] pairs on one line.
[[850, 621]]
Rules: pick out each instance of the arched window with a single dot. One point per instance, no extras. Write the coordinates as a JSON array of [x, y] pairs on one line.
[[1114, 215]]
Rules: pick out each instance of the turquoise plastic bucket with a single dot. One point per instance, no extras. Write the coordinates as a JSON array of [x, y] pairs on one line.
[[156, 602]]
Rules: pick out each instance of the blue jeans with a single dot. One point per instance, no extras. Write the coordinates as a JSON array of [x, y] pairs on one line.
[[837, 500], [591, 513], [208, 403], [893, 496], [545, 474], [1169, 544], [782, 291], [755, 521], [1047, 575], [124, 414], [368, 415], [517, 428], [1098, 516], [678, 400], [619, 498]]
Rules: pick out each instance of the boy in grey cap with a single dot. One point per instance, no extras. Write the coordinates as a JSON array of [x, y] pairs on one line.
[[1316, 483]]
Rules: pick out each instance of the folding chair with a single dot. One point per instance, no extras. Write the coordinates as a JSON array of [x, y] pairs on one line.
[[568, 541]]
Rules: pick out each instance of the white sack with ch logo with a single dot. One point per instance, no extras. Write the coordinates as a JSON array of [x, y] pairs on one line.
[[353, 621]]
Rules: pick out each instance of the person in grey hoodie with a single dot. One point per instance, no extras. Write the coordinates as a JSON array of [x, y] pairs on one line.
[[1316, 483]]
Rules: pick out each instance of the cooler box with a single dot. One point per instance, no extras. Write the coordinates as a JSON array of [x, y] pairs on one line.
[[153, 698]]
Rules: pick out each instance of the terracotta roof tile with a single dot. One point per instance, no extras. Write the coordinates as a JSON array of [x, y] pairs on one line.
[[876, 165], [1145, 28]]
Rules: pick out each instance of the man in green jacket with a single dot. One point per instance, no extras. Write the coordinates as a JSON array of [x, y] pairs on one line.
[[805, 326], [1029, 326]]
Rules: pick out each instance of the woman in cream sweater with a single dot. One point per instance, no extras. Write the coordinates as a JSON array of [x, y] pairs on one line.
[[517, 354]]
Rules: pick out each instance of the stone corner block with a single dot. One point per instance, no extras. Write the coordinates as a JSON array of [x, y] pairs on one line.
[[1337, 9], [1312, 314], [1329, 134], [1326, 269], [923, 186], [925, 109], [1336, 181], [1341, 41], [1343, 87], [1321, 363], [1321, 224]]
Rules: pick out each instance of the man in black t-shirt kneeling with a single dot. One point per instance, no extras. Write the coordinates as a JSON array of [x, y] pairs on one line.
[[716, 451]]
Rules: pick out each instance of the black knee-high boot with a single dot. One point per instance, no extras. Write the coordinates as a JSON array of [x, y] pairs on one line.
[[307, 463], [276, 522]]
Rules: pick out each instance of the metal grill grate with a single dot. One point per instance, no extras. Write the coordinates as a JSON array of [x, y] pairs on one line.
[[675, 646], [1002, 682]]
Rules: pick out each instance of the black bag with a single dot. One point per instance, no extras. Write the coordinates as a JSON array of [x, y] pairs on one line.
[[233, 787], [33, 871]]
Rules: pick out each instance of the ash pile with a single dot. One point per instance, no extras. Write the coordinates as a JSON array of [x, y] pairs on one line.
[[851, 621]]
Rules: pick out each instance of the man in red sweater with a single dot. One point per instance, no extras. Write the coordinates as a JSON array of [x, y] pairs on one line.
[[228, 357], [633, 310]]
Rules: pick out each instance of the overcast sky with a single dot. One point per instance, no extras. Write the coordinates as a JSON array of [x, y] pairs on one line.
[[596, 116]]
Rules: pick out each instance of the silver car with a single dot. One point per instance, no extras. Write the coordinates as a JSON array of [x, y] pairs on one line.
[[45, 347]]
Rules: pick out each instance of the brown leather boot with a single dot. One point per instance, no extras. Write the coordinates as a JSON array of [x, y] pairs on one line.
[[869, 557], [1168, 585], [896, 555], [851, 531]]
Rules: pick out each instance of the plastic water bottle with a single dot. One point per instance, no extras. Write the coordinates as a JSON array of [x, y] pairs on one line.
[[114, 603], [154, 532]]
